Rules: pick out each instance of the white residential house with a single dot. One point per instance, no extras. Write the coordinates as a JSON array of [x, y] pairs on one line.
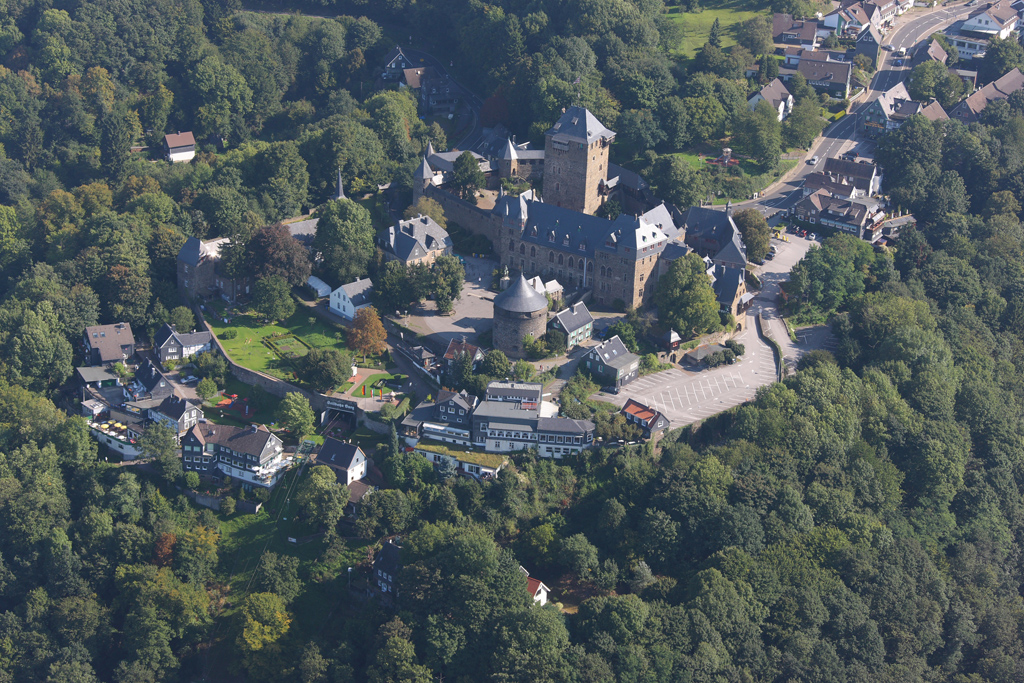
[[179, 147], [538, 591], [349, 299], [775, 94], [346, 459], [997, 20]]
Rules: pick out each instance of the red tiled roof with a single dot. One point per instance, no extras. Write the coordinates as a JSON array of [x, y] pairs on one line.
[[639, 410]]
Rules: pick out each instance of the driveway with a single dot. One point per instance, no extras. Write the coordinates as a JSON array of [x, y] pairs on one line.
[[686, 396], [472, 314]]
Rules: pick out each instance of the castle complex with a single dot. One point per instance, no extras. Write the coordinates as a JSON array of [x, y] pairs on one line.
[[556, 235]]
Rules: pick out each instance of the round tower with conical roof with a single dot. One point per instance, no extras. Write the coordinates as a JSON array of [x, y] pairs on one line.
[[519, 312]]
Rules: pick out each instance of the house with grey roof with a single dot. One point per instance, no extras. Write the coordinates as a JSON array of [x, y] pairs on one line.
[[349, 299], [731, 290], [417, 240], [149, 382], [892, 108], [826, 73], [169, 344], [612, 364], [994, 20], [855, 216], [527, 394], [108, 344], [575, 323], [250, 455], [859, 172], [776, 95], [347, 459], [929, 51], [786, 29], [395, 64], [714, 234], [176, 413]]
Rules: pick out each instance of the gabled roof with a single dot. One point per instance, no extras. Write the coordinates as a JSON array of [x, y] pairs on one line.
[[173, 140], [999, 12], [319, 286], [533, 586], [641, 411], [457, 347], [661, 218], [999, 89], [930, 51], [727, 284], [148, 376], [394, 54], [174, 407], [734, 251], [816, 66], [574, 318], [168, 332], [389, 559], [853, 169], [613, 353], [108, 340], [191, 251], [415, 76], [414, 238], [252, 440], [338, 453], [564, 425], [509, 152], [775, 93], [577, 124], [358, 292], [516, 391], [462, 399]]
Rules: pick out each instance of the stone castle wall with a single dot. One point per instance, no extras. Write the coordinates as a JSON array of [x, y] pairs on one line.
[[510, 329]]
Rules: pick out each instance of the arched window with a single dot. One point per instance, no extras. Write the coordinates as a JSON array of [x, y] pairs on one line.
[[561, 259], [522, 248], [511, 246], [571, 262], [602, 271], [581, 264], [551, 256], [533, 251]]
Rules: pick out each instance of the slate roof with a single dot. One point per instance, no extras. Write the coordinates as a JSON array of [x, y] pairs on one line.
[[414, 238], [661, 218], [462, 399], [174, 140], [423, 171], [96, 373], [614, 353], [251, 440], [148, 376], [445, 161], [727, 283], [167, 331], [337, 453], [564, 425], [578, 233], [174, 407], [389, 559], [577, 124], [520, 297], [358, 292], [896, 104], [734, 251], [574, 318], [191, 251], [518, 391], [775, 93], [820, 68], [853, 169], [108, 340], [1000, 12]]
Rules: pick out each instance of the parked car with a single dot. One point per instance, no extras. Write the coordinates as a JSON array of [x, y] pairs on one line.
[[813, 161], [610, 390], [812, 237], [190, 379], [899, 62]]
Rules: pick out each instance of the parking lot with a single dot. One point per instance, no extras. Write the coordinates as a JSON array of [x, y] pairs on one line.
[[685, 396]]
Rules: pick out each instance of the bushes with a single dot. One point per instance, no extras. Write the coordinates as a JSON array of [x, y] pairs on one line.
[[229, 334], [735, 347], [726, 357]]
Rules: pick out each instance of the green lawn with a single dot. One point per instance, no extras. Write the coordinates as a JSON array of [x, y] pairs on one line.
[[373, 379], [696, 27], [247, 348], [693, 159]]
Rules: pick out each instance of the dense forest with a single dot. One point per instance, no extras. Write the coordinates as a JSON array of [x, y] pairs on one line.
[[861, 521]]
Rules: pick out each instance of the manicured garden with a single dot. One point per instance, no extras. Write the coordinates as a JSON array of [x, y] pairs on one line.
[[273, 348], [375, 384]]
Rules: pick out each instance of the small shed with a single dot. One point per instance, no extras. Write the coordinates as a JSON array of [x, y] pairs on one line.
[[697, 355], [319, 287]]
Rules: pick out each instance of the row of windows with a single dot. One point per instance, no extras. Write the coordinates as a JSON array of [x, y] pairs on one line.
[[527, 436]]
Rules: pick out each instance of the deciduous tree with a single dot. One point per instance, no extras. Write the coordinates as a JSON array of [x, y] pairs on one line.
[[295, 414], [686, 302], [368, 335], [755, 231], [272, 298], [273, 251], [344, 240]]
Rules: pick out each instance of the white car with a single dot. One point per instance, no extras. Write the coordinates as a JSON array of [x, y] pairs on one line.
[[813, 161], [812, 237]]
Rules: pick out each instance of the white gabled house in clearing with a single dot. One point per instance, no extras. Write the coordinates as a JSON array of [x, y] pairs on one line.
[[348, 299]]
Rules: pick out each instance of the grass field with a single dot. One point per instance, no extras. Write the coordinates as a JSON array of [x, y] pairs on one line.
[[247, 348], [697, 26], [373, 379]]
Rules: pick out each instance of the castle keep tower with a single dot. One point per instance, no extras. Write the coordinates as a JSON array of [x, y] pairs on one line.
[[576, 160], [519, 311]]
